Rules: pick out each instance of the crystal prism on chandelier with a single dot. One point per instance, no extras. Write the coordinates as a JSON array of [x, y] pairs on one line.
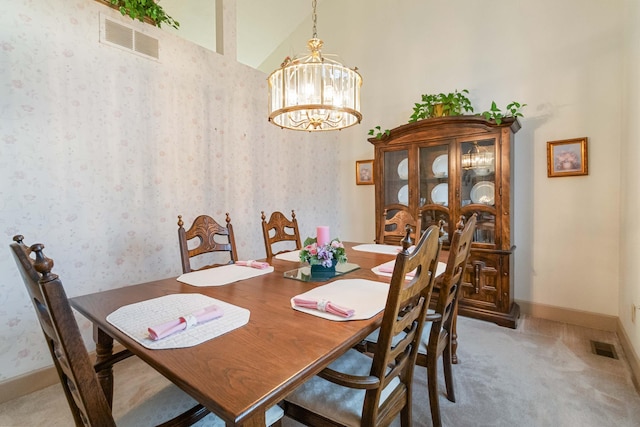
[[314, 93]]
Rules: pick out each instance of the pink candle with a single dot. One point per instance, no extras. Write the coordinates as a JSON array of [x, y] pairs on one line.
[[322, 235]]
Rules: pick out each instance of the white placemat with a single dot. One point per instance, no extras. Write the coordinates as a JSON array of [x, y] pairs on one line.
[[223, 275], [366, 297], [379, 249], [135, 319], [289, 256], [442, 266]]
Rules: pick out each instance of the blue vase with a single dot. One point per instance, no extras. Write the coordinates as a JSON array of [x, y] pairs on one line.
[[320, 269]]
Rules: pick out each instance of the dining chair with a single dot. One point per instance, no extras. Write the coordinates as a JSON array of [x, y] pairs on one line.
[[438, 335], [86, 399], [358, 390], [280, 229], [394, 220], [209, 234], [436, 215], [103, 369]]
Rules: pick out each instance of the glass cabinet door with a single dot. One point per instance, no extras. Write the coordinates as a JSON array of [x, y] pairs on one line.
[[478, 187], [433, 185], [396, 177]]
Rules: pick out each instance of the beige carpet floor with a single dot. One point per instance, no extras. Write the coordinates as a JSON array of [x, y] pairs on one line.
[[542, 374]]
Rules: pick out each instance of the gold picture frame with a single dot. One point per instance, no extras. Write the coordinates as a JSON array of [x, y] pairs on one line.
[[567, 157], [364, 172]]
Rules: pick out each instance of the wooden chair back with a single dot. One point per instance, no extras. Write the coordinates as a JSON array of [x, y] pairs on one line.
[[452, 280], [395, 219], [401, 330], [444, 318], [280, 229], [435, 215], [86, 399], [208, 232]]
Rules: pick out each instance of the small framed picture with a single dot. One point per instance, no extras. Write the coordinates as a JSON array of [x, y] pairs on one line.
[[364, 172], [567, 157]]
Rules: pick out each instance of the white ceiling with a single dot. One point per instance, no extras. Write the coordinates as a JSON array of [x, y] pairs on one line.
[[261, 25]]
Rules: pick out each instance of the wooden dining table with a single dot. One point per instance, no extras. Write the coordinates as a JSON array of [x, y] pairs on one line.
[[240, 374]]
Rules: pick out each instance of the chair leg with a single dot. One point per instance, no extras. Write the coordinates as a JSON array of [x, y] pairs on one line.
[[432, 383], [405, 416], [448, 374]]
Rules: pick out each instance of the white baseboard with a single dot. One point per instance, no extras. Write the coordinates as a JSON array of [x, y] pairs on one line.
[[573, 317], [28, 383], [632, 356]]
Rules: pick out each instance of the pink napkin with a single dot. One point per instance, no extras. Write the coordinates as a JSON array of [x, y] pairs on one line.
[[324, 305], [200, 316], [255, 264], [388, 267]]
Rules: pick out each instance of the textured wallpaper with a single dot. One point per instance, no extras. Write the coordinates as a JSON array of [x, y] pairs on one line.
[[101, 149]]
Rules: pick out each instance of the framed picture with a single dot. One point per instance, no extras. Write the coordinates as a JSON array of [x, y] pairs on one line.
[[364, 172], [567, 157]]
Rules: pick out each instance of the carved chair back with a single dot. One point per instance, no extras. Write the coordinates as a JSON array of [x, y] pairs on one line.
[[395, 219], [280, 229], [209, 233]]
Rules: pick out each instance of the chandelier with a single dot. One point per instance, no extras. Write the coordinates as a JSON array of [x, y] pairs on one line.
[[477, 157], [314, 93]]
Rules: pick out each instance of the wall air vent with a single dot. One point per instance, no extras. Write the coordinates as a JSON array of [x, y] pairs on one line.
[[124, 37]]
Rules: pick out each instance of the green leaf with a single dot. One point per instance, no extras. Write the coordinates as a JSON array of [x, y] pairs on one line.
[[141, 9]]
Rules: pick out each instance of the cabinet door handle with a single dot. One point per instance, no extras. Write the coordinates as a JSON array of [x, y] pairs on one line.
[[476, 277]]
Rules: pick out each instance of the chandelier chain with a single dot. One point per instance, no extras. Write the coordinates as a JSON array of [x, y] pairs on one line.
[[314, 17]]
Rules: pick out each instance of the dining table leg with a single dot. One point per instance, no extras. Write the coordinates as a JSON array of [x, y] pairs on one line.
[[104, 351], [256, 420]]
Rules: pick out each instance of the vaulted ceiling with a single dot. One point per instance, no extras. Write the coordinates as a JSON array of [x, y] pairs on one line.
[[262, 25]]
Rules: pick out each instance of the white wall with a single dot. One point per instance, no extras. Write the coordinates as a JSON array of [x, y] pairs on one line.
[[100, 150], [630, 182], [197, 20]]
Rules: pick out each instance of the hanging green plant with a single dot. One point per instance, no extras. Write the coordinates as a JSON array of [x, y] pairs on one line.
[[378, 133], [144, 9], [512, 110]]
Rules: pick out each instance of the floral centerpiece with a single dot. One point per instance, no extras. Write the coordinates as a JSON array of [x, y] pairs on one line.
[[323, 255]]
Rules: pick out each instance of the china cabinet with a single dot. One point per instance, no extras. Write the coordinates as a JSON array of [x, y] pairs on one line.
[[447, 167]]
